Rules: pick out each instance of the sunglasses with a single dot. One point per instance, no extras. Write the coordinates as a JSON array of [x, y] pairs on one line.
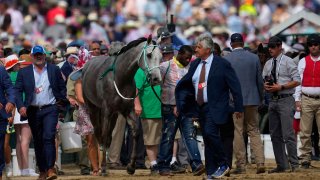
[[313, 44]]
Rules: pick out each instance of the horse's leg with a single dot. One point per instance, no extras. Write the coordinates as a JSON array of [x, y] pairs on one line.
[[104, 161], [131, 120], [107, 124]]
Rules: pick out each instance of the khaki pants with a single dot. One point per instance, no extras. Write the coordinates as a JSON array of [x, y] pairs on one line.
[[117, 139], [247, 124], [310, 109]]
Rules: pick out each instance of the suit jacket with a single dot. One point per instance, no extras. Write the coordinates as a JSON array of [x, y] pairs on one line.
[[6, 92], [26, 84], [66, 69], [248, 70], [221, 81]]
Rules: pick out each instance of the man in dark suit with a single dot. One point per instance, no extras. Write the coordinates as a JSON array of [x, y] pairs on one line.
[[45, 92], [204, 92], [6, 107]]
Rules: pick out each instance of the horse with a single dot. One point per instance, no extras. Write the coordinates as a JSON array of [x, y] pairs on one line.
[[109, 88]]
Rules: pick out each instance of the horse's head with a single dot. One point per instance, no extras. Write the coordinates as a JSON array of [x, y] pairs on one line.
[[150, 60]]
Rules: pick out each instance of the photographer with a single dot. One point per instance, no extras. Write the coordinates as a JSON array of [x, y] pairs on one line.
[[281, 78]]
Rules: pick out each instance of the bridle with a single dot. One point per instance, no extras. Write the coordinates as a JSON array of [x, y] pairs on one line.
[[147, 70]]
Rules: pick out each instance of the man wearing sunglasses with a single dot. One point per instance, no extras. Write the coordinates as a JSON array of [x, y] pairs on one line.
[[281, 78], [308, 95]]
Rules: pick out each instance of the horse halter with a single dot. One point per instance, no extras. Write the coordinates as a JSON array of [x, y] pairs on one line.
[[147, 70]]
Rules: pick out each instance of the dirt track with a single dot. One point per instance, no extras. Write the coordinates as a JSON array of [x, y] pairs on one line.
[[72, 172]]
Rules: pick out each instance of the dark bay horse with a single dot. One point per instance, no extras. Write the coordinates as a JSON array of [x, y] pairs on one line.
[[109, 87]]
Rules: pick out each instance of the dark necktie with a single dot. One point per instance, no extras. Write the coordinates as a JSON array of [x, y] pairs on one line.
[[274, 70], [201, 85]]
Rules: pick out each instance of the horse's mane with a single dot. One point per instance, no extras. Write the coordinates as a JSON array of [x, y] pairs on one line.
[[133, 43]]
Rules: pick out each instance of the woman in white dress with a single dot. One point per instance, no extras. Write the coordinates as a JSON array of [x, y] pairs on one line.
[[22, 129]]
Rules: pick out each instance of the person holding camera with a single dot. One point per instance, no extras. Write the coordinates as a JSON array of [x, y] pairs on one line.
[[281, 76], [307, 97]]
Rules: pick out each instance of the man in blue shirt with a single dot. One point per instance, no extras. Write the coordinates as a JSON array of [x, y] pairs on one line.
[[45, 93]]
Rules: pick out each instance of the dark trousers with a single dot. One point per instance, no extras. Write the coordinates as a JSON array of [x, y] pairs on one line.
[[214, 151], [3, 125], [227, 135], [43, 124]]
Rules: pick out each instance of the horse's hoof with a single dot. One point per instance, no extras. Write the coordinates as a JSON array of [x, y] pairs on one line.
[[130, 169]]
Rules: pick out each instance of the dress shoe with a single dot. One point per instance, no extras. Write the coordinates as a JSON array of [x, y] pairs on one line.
[[200, 170], [277, 170], [221, 171], [261, 169], [305, 165], [42, 176], [154, 170], [176, 168], [51, 174]]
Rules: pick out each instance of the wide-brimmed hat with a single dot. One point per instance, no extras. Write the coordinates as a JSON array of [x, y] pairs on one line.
[[11, 61], [72, 50]]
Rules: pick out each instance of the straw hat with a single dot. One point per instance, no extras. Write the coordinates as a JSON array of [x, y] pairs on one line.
[[72, 50], [11, 61]]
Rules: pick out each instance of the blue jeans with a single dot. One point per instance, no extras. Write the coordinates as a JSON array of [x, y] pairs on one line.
[[169, 129]]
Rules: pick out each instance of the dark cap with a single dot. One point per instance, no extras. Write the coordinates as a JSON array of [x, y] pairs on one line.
[[163, 32], [168, 48], [313, 38], [236, 37], [275, 40]]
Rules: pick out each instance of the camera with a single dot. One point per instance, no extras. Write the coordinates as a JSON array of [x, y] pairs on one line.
[[269, 80]]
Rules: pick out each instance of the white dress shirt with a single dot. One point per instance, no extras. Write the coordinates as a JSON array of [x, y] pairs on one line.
[[196, 77], [306, 90]]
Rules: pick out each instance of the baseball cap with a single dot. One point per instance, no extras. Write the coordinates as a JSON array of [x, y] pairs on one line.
[[275, 40], [163, 32], [313, 38], [38, 49], [236, 37], [167, 48]]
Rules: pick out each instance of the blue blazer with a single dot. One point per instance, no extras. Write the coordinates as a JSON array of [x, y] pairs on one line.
[[66, 69], [6, 92], [222, 81], [26, 84]]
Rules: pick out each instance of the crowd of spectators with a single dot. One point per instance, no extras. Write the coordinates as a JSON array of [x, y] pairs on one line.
[[58, 22]]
